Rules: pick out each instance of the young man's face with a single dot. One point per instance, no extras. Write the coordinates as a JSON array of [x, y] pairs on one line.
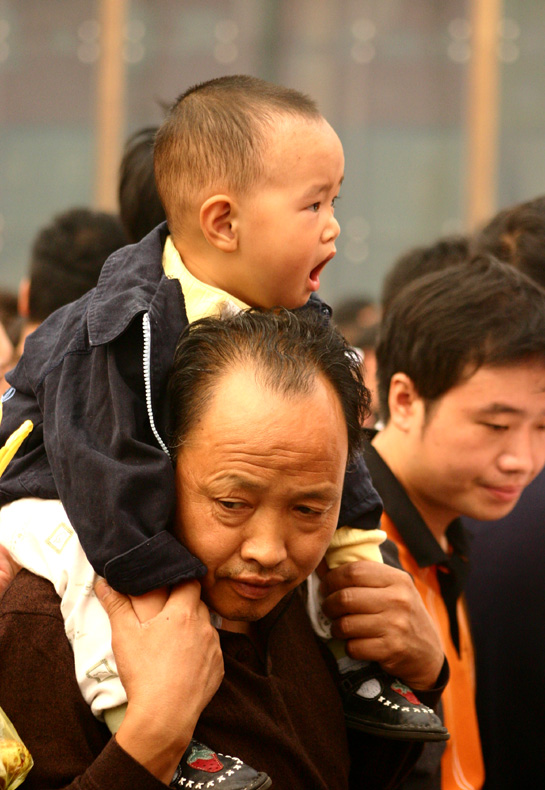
[[287, 224], [481, 444], [259, 483]]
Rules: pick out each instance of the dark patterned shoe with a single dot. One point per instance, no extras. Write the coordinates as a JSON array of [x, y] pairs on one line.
[[376, 703], [202, 769]]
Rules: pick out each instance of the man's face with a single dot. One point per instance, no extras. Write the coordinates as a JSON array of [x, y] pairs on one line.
[[259, 483], [287, 223], [480, 445]]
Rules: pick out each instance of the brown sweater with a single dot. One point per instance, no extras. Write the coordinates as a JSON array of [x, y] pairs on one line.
[[278, 708]]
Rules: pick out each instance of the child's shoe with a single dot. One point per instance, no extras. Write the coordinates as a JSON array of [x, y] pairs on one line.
[[376, 703], [202, 768]]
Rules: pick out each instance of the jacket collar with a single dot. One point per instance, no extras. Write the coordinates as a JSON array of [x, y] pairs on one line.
[[407, 519], [127, 286], [453, 568]]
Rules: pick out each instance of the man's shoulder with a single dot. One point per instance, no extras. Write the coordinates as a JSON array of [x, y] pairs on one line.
[[32, 595]]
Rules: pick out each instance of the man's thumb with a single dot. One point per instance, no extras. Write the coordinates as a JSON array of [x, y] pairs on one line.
[[111, 600]]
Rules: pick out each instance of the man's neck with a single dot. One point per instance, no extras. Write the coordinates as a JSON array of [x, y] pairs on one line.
[[436, 517], [236, 626]]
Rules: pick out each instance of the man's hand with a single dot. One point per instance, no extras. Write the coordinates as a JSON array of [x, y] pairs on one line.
[[379, 612], [8, 570], [170, 667]]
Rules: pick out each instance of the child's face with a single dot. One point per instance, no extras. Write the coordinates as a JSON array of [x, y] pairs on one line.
[[286, 223]]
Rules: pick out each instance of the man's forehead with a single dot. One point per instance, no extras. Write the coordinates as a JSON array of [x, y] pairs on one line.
[[503, 387]]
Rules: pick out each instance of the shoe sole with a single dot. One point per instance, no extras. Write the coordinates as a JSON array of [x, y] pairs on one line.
[[395, 734], [261, 783]]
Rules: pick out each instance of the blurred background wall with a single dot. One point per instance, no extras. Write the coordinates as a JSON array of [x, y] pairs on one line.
[[439, 104]]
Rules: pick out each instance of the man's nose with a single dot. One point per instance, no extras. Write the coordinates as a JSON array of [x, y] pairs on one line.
[[265, 542], [524, 453]]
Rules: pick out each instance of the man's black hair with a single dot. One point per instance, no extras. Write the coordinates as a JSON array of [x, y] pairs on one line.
[[287, 350], [516, 235], [444, 326], [418, 261], [67, 257], [140, 206]]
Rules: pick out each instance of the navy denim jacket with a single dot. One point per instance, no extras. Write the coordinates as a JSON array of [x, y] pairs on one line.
[[93, 381]]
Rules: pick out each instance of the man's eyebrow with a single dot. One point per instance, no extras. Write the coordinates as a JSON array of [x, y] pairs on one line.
[[320, 492], [500, 408]]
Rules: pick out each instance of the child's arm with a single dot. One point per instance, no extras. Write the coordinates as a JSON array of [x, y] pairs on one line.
[[106, 464]]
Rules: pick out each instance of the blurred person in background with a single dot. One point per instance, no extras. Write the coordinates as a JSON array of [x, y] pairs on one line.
[[10, 330], [65, 262], [442, 253], [351, 316], [140, 207]]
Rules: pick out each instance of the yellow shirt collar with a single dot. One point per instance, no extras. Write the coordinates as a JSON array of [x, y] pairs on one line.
[[201, 299]]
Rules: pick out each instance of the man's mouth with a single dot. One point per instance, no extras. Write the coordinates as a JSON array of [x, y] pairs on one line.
[[255, 588], [505, 493]]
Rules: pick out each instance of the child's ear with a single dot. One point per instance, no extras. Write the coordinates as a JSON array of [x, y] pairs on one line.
[[218, 218], [403, 401]]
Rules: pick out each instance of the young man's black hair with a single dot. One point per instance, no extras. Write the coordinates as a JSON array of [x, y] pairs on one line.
[[446, 325]]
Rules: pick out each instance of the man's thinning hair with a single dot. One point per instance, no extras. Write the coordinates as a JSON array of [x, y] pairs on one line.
[[444, 326], [215, 135], [285, 351]]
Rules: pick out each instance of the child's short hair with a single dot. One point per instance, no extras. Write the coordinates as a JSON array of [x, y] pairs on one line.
[[484, 313], [215, 136]]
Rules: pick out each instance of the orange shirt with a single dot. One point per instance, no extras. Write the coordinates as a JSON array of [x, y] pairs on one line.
[[462, 763]]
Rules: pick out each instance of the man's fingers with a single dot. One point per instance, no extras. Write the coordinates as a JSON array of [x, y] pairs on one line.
[[364, 573], [117, 606]]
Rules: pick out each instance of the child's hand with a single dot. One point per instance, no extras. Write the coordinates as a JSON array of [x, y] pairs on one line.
[[8, 570], [170, 667], [380, 613]]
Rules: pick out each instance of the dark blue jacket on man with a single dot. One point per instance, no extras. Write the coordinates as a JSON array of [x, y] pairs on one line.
[[93, 380]]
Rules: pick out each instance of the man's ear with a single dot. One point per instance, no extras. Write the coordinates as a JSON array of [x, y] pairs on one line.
[[403, 401], [218, 218]]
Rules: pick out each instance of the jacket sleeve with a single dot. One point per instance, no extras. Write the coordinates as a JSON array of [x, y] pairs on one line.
[[93, 447], [115, 480]]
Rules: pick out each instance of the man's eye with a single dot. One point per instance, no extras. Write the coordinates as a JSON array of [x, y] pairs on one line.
[[495, 427], [229, 504], [307, 511]]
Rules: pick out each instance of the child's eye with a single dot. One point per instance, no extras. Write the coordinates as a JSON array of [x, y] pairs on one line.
[[315, 207], [335, 199]]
